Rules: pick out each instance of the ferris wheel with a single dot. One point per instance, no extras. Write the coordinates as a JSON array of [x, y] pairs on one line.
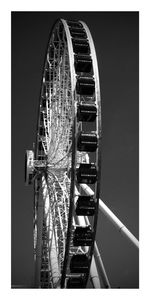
[[65, 164]]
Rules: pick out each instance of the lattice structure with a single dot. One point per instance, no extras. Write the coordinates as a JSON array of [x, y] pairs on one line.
[[57, 114]]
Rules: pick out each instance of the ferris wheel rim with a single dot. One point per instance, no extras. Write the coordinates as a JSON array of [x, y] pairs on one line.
[[99, 125]]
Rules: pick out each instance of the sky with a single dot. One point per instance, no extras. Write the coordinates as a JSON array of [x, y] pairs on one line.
[[116, 40]]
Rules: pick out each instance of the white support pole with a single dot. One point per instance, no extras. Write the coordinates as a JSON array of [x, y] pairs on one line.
[[100, 264], [94, 275], [101, 267], [118, 224], [111, 216], [93, 270]]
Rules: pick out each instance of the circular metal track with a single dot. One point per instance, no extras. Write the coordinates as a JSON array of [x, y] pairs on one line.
[[67, 154]]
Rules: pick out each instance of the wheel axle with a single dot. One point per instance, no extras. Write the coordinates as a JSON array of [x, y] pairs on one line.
[[32, 166]]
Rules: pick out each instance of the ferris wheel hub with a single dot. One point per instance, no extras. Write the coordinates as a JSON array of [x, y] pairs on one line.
[[29, 166], [32, 166]]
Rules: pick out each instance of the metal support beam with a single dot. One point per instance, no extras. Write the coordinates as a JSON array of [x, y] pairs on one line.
[[118, 224], [101, 268], [94, 275], [111, 216], [93, 270]]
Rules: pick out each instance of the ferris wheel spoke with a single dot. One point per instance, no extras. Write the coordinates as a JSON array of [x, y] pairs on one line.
[[62, 139], [60, 214]]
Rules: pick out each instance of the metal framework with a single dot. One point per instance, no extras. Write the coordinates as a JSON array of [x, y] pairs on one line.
[[66, 161]]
